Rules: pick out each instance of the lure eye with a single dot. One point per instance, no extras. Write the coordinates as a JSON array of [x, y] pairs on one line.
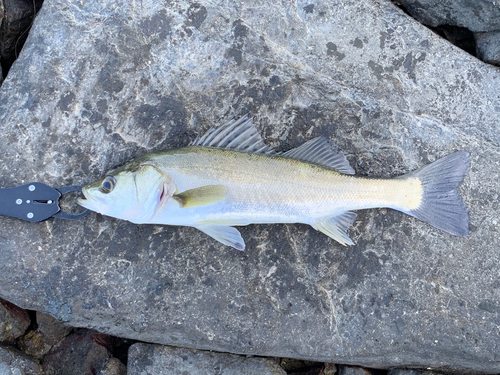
[[108, 184]]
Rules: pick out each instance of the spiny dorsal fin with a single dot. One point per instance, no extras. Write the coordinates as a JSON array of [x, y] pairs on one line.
[[227, 235], [201, 196], [336, 227], [321, 151], [240, 135]]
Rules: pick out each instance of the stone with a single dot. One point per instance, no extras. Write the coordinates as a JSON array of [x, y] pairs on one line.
[[329, 369], [13, 362], [82, 352], [52, 330], [475, 15], [115, 80], [353, 370], [147, 359], [17, 20], [13, 321], [1, 19], [488, 47], [34, 344], [114, 366]]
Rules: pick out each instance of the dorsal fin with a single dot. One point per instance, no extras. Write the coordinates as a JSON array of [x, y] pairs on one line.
[[321, 151], [240, 135]]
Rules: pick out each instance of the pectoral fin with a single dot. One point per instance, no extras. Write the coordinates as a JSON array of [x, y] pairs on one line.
[[201, 196], [227, 235], [336, 227]]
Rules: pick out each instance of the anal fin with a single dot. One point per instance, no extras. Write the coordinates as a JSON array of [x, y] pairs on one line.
[[336, 226], [201, 196], [224, 234]]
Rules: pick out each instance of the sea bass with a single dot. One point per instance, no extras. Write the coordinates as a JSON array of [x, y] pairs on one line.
[[230, 177]]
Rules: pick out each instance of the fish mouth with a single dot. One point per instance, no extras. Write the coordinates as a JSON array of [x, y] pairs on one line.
[[90, 202]]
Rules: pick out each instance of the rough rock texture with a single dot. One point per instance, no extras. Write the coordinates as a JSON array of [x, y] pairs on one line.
[[475, 15], [13, 362], [145, 359], [116, 80], [353, 370], [52, 330], [488, 47], [13, 322], [80, 353], [1, 19]]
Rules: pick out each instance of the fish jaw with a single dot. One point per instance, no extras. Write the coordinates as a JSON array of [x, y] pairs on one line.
[[92, 202]]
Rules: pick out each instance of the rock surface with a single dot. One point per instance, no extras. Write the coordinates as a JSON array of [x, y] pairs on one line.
[[488, 47], [80, 353], [13, 322], [392, 94], [13, 362], [475, 15], [145, 359]]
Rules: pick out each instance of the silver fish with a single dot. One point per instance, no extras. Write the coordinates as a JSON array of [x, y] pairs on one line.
[[230, 177]]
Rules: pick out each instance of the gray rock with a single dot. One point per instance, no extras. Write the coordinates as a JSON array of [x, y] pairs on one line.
[[1, 19], [13, 362], [81, 353], [118, 80], [146, 359], [113, 366], [353, 370], [52, 330], [488, 47], [475, 15], [13, 321]]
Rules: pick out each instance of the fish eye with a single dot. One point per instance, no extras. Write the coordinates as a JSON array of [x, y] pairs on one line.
[[108, 184]]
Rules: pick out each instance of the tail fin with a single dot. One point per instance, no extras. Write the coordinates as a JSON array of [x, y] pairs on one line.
[[441, 204]]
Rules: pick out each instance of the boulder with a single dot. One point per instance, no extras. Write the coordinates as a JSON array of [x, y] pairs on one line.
[[488, 47], [13, 322], [115, 80], [475, 15], [13, 362], [147, 359]]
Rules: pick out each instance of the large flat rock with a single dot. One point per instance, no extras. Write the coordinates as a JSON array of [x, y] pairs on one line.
[[101, 82]]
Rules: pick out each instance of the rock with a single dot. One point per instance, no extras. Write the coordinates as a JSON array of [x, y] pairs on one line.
[[145, 359], [329, 369], [52, 330], [404, 372], [488, 47], [475, 15], [13, 321], [1, 19], [117, 80], [82, 352], [13, 362], [113, 366], [353, 370], [18, 17], [34, 344]]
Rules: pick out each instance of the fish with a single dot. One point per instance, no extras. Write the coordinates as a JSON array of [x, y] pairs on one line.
[[229, 177]]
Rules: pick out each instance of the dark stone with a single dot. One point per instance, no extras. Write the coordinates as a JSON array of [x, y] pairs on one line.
[[113, 83], [34, 344], [13, 321], [488, 47], [146, 359], [13, 362], [81, 353], [14, 29], [475, 15], [52, 330], [353, 370]]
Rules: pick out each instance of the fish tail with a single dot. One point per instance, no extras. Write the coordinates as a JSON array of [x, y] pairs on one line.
[[441, 205]]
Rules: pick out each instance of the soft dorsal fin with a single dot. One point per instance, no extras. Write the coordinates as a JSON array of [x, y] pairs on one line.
[[321, 151], [240, 135], [337, 226]]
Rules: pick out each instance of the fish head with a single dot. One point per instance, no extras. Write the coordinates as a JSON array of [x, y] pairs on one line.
[[134, 193]]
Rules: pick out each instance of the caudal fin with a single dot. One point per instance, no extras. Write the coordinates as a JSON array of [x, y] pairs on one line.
[[441, 204]]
